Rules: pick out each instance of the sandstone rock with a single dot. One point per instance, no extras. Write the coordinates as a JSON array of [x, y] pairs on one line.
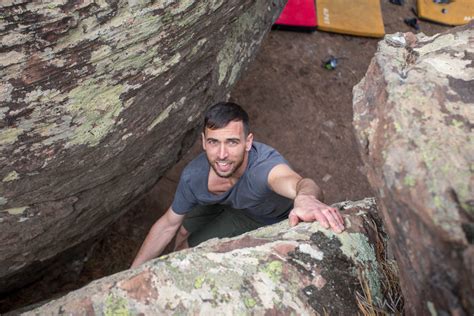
[[275, 270], [413, 115], [97, 100]]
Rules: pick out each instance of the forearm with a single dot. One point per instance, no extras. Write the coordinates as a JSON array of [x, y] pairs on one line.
[[157, 239], [307, 186]]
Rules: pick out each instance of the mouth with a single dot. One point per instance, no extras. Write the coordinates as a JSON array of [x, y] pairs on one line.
[[224, 166]]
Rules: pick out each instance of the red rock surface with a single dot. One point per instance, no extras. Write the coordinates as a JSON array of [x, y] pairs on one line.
[[413, 115]]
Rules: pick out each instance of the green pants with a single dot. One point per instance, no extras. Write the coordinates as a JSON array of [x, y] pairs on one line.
[[210, 221]]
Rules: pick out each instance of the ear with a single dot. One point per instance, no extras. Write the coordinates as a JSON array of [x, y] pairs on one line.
[[248, 142], [203, 138]]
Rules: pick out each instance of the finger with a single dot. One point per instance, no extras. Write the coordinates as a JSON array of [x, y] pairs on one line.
[[293, 219], [330, 216], [321, 219], [337, 215]]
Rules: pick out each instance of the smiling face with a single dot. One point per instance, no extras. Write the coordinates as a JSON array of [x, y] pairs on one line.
[[227, 149]]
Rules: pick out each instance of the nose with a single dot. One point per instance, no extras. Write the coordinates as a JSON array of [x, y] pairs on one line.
[[222, 152]]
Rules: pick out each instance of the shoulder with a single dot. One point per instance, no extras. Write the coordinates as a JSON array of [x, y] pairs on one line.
[[195, 168], [264, 159], [265, 154]]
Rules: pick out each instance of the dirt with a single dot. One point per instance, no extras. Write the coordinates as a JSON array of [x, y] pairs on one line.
[[295, 105]]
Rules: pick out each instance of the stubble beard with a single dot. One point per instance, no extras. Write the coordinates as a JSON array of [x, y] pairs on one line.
[[236, 165]]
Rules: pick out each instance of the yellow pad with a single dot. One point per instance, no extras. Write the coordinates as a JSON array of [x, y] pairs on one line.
[[457, 12], [355, 17]]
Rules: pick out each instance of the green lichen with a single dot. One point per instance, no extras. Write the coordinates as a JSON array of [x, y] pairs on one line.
[[428, 158], [446, 168], [95, 107], [165, 113], [398, 128], [182, 6], [457, 124], [438, 201], [199, 281], [16, 210], [116, 306], [11, 176], [250, 302], [135, 60], [9, 136], [3, 201], [198, 46], [159, 66], [431, 308], [274, 270], [409, 181], [357, 247], [228, 57]]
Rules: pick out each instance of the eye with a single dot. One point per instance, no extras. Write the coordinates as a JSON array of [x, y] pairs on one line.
[[212, 141], [233, 142]]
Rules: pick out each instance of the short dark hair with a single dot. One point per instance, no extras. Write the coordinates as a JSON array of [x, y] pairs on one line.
[[222, 113]]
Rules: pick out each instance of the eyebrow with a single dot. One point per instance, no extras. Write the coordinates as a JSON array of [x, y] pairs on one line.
[[234, 139], [227, 139]]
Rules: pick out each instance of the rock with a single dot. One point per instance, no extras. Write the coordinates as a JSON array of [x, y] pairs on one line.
[[413, 116], [273, 270], [97, 100]]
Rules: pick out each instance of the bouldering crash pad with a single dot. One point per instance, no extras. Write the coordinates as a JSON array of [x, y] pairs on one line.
[[298, 15], [362, 17], [457, 12]]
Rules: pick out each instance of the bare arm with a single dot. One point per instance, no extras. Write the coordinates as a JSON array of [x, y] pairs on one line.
[[158, 237], [308, 197]]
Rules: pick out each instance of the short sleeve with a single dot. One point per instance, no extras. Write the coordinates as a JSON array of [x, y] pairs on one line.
[[184, 199], [259, 174]]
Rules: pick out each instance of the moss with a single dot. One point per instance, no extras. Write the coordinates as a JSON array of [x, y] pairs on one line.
[[116, 306]]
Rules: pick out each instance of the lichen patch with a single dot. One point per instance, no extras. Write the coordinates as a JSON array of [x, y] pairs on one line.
[[13, 175]]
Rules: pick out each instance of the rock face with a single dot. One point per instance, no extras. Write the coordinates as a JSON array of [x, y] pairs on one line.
[[413, 115], [273, 270], [97, 100]]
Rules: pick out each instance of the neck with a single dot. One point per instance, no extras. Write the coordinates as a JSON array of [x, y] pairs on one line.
[[239, 172]]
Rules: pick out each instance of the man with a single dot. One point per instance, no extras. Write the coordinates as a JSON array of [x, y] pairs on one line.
[[235, 186]]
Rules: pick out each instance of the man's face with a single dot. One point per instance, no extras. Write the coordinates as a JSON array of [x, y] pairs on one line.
[[227, 148]]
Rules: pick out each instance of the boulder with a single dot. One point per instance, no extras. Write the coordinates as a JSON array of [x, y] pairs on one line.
[[275, 270], [413, 116], [97, 100]]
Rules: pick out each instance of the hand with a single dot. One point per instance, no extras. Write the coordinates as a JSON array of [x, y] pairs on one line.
[[308, 209]]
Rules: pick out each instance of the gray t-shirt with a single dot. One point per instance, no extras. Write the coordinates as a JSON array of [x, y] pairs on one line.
[[251, 193]]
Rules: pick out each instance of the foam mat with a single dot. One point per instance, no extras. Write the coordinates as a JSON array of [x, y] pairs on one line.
[[355, 17], [457, 12], [298, 14]]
